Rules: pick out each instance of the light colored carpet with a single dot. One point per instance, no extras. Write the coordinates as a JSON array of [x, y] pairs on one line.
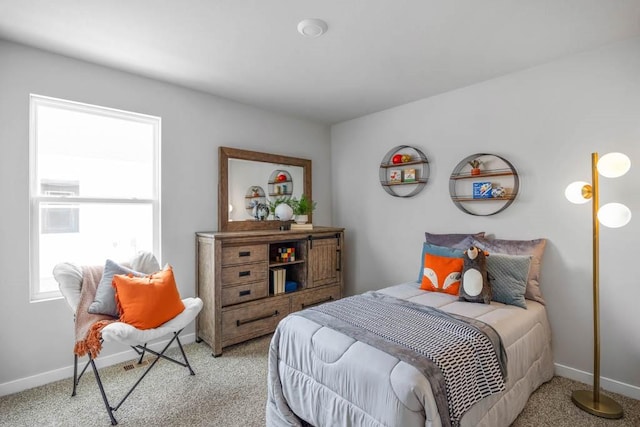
[[229, 391]]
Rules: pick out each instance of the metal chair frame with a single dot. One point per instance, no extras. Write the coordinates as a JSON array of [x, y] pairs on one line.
[[140, 350]]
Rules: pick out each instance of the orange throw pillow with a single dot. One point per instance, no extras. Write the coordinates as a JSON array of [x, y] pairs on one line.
[[147, 302], [441, 274]]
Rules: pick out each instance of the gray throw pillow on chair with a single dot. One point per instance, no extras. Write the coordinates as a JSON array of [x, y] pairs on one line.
[[105, 299]]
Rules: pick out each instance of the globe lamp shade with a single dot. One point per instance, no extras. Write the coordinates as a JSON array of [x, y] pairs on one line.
[[613, 165], [284, 212], [573, 192], [614, 215]]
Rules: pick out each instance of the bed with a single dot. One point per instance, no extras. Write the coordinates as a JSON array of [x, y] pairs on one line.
[[322, 377]]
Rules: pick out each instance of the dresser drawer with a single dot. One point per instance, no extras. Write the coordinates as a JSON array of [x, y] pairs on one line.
[[243, 293], [252, 319], [241, 274], [302, 300], [232, 255]]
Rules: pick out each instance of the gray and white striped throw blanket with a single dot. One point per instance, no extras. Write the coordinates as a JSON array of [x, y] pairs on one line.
[[462, 358]]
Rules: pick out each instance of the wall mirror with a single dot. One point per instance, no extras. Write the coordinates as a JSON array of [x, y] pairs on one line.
[[251, 177]]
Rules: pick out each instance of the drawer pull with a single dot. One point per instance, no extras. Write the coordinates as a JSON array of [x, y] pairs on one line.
[[255, 319], [317, 302], [244, 293], [244, 273], [244, 253]]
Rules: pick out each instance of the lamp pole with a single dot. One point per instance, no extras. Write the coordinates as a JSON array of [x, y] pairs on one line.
[[591, 401]]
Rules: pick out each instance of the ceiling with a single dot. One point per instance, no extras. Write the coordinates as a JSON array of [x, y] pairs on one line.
[[375, 55]]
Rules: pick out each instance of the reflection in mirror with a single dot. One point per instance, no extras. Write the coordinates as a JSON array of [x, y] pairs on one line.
[[272, 176], [245, 175], [254, 201]]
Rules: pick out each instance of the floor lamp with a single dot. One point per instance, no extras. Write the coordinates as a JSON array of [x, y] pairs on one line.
[[612, 215]]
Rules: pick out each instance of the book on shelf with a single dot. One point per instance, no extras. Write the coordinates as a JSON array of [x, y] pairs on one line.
[[282, 280], [277, 280], [272, 281], [307, 226]]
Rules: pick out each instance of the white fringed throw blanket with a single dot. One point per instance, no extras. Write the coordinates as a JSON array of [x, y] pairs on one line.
[[89, 326]]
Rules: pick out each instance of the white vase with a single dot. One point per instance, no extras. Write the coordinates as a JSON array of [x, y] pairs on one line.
[[284, 212], [302, 219]]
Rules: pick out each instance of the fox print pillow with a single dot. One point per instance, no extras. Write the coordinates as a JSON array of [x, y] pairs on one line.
[[441, 274]]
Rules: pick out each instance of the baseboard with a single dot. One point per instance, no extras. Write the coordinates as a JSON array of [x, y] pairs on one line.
[[67, 372], [605, 383]]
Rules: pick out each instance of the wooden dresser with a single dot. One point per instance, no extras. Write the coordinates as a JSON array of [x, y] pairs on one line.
[[236, 284]]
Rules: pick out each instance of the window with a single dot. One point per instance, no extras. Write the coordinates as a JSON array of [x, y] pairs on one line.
[[59, 217], [94, 187]]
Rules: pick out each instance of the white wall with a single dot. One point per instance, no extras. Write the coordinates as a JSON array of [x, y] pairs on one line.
[[546, 121], [36, 339]]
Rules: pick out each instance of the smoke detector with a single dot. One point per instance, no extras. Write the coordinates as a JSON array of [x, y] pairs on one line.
[[312, 27]]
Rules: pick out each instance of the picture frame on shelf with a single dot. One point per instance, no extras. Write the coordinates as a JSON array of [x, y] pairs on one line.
[[409, 175], [395, 176], [482, 190]]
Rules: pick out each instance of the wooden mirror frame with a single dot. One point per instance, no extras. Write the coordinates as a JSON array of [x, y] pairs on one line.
[[226, 153]]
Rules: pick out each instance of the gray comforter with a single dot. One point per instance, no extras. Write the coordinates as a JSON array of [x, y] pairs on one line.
[[326, 377], [462, 358]]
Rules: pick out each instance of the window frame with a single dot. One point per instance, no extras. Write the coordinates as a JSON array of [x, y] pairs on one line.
[[35, 199]]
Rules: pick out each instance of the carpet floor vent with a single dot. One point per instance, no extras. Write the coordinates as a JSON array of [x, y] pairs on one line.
[[131, 366]]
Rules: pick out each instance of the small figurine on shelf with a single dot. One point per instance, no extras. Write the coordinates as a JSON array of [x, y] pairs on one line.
[[475, 166], [498, 192]]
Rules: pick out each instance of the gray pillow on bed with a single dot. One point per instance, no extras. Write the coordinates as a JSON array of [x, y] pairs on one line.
[[457, 241], [508, 277], [535, 248]]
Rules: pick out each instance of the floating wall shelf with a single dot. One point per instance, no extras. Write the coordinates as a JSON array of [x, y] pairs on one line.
[[404, 179], [461, 186]]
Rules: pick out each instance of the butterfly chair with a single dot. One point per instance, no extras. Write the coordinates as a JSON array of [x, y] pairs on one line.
[[70, 279]]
